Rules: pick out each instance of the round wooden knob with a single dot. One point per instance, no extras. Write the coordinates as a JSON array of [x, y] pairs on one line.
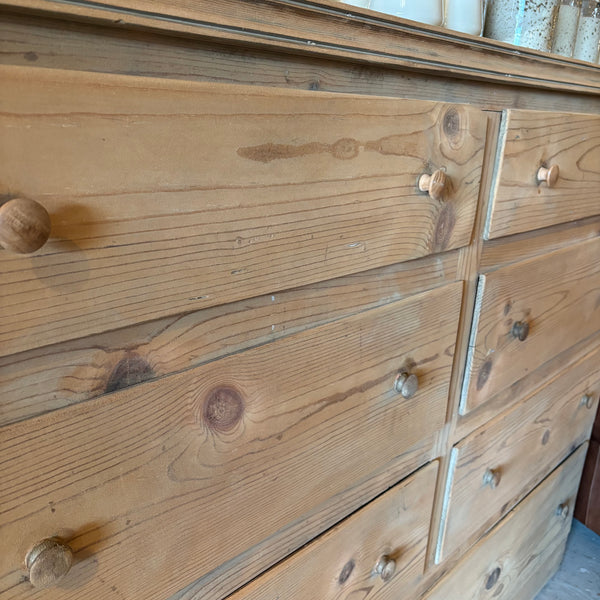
[[493, 578], [24, 226], [406, 384], [491, 478], [435, 184], [48, 562], [549, 175], [385, 567], [520, 330], [587, 400], [562, 511]]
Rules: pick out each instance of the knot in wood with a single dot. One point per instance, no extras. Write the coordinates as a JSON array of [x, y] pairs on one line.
[[223, 409]]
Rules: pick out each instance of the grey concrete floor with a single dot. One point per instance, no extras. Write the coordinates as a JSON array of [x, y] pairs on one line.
[[579, 575]]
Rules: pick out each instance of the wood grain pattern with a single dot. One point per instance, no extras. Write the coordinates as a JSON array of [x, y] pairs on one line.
[[530, 139], [505, 251], [520, 446], [469, 260], [516, 558], [59, 375], [556, 294], [330, 29], [340, 564], [168, 197], [29, 40], [157, 485], [524, 387]]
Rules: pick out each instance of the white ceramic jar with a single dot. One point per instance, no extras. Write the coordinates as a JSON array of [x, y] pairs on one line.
[[361, 3], [423, 11], [465, 16]]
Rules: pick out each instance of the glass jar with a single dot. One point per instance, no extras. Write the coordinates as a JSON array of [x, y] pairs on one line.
[[588, 32], [423, 11], [465, 16], [528, 23], [565, 30]]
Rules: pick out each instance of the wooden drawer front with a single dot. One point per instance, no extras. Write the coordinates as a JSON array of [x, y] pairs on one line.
[[515, 559], [343, 562], [171, 196], [491, 469], [56, 376], [530, 140], [555, 296], [157, 485]]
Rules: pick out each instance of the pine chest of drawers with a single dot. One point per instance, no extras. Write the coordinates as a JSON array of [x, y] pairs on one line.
[[315, 318]]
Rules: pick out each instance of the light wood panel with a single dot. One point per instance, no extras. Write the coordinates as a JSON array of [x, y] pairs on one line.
[[331, 29], [529, 140], [470, 257], [341, 563], [158, 485], [514, 393], [28, 40], [55, 376], [556, 295], [505, 251], [168, 197], [519, 448], [516, 558]]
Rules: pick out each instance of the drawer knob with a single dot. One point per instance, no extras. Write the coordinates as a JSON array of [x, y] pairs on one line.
[[587, 400], [550, 175], [562, 511], [520, 330], [48, 562], [24, 226], [385, 567], [406, 384], [491, 477], [435, 184]]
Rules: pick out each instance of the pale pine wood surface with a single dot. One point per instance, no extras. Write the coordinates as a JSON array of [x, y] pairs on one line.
[[469, 260], [162, 483], [532, 381], [557, 294], [521, 445], [531, 139], [150, 345], [515, 559], [334, 30], [169, 197], [27, 40], [56, 376], [340, 564], [505, 251]]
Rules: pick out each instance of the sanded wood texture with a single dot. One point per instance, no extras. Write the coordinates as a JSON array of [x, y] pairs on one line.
[[341, 563], [515, 559], [331, 29], [529, 140], [555, 295], [55, 376], [505, 251], [518, 448], [523, 388], [169, 196], [27, 40], [159, 484]]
